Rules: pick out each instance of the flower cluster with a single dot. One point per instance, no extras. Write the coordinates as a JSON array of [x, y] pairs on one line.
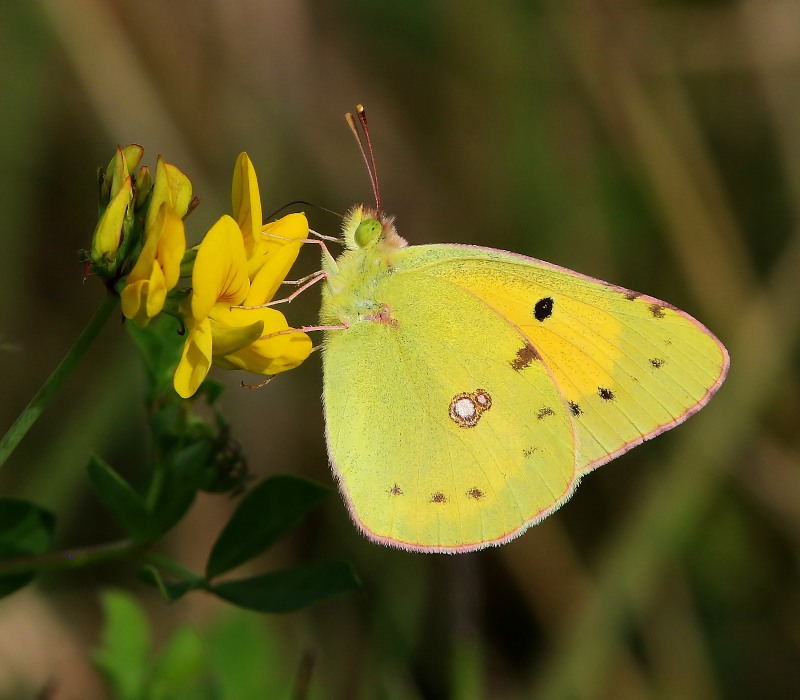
[[139, 249]]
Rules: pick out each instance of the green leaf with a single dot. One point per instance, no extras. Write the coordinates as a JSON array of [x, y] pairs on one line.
[[25, 529], [123, 656], [182, 475], [171, 591], [121, 501], [291, 589], [268, 512], [248, 656], [180, 668]]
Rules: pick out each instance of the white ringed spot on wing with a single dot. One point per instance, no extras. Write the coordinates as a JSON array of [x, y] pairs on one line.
[[467, 408]]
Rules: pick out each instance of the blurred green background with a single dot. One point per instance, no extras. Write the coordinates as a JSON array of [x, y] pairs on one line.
[[653, 144]]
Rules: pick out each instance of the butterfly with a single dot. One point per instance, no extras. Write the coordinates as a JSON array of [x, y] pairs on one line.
[[467, 390]]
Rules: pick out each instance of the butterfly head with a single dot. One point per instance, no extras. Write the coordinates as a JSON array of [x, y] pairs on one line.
[[366, 228]]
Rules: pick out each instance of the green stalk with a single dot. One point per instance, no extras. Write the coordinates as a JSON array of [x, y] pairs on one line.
[[39, 402], [70, 558]]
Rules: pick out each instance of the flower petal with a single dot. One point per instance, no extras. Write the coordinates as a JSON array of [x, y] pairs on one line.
[[195, 360], [144, 298], [171, 247], [220, 269], [270, 355], [272, 273], [228, 339], [287, 232], [263, 357], [246, 201]]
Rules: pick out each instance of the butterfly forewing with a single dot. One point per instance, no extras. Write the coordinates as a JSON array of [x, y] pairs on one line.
[[627, 365]]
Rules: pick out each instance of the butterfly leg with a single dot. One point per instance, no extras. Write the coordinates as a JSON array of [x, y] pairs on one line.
[[307, 282], [259, 385], [306, 329]]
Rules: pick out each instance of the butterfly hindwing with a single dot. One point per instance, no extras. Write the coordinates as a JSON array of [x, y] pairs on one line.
[[439, 441]]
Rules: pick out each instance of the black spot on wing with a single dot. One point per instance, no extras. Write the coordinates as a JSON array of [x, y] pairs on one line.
[[475, 493], [605, 394], [632, 296], [544, 412], [657, 310], [543, 309], [438, 497], [575, 409], [657, 363], [396, 490]]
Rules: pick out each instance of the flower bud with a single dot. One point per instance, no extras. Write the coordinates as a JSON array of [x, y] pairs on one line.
[[115, 223], [119, 168]]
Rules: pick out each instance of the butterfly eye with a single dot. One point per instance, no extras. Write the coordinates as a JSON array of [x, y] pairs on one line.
[[367, 232]]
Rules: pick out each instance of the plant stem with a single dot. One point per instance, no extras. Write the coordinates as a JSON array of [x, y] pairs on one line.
[[69, 558], [53, 383]]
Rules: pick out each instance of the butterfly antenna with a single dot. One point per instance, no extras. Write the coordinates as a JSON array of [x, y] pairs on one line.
[[362, 117], [369, 161]]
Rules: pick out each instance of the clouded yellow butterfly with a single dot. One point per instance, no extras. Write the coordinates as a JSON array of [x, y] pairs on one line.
[[468, 390]]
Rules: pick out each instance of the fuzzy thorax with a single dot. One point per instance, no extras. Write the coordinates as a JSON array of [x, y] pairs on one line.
[[349, 295]]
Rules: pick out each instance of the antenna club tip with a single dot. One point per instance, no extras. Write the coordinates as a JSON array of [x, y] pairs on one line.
[[360, 108]]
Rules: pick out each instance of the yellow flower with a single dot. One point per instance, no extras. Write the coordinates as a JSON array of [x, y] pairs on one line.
[[158, 268], [233, 338]]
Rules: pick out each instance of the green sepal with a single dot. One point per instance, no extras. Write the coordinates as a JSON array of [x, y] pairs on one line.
[[187, 264], [142, 187]]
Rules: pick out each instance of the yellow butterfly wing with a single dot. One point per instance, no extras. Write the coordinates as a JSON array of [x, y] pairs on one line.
[[439, 443], [628, 366]]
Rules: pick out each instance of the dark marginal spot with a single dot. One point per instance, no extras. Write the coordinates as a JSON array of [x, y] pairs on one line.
[[525, 355], [575, 409], [543, 309], [438, 497], [657, 310], [544, 412], [632, 296], [475, 493], [657, 363], [605, 394], [396, 490], [529, 452]]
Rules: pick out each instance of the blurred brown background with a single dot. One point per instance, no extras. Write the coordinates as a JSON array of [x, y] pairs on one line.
[[654, 144]]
